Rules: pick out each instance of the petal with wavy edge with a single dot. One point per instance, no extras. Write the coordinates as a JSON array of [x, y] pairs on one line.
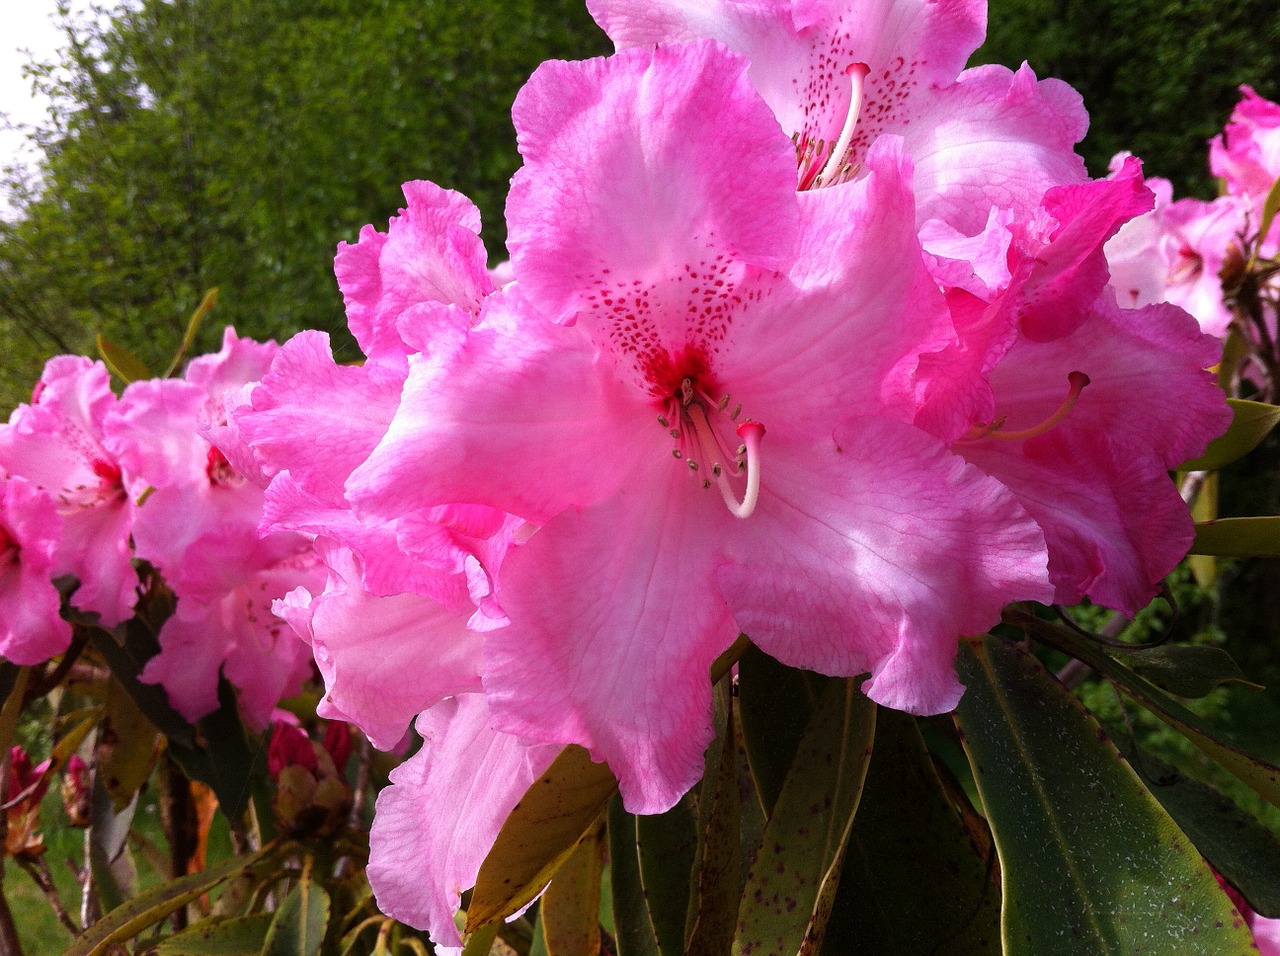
[[435, 824]]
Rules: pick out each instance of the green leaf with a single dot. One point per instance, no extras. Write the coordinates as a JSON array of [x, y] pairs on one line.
[[201, 313], [775, 702], [147, 909], [1258, 774], [1235, 843], [793, 878], [127, 366], [1250, 424], [126, 747], [12, 707], [915, 881], [1204, 567], [667, 844], [1270, 206], [636, 935], [1257, 537], [1090, 863], [717, 862], [570, 908], [1187, 670], [220, 936], [539, 834], [299, 925]]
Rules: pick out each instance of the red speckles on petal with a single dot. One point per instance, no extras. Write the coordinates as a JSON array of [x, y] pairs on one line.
[[654, 331]]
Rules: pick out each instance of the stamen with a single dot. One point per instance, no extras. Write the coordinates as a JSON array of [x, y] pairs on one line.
[[1077, 380], [750, 432], [664, 421], [836, 162]]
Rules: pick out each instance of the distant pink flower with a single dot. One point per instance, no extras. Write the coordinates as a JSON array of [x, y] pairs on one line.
[[1247, 153], [677, 258], [56, 444], [31, 628]]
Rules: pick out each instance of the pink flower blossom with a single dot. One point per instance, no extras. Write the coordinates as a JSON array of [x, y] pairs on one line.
[[56, 443], [32, 630], [1247, 153], [676, 259]]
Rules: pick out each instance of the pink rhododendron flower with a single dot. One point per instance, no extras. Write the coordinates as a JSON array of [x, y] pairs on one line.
[[1175, 252], [31, 628], [1247, 154], [408, 594], [197, 522], [440, 817], [56, 443], [840, 74], [677, 278]]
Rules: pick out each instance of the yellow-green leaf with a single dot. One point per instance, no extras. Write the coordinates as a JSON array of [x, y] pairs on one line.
[[149, 908], [1257, 537], [193, 327], [126, 747], [570, 908], [1250, 424], [1204, 567], [127, 366], [219, 936], [557, 812], [299, 925]]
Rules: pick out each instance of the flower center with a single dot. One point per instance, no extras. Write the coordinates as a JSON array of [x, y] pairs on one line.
[[697, 422], [826, 164]]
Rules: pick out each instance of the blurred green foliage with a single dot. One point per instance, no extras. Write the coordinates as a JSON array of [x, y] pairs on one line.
[[1159, 77], [231, 143]]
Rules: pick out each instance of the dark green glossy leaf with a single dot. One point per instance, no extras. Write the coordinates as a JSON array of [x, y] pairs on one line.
[[559, 809], [635, 933], [915, 882], [1238, 537], [220, 936], [775, 702], [1187, 670], [299, 925], [1258, 774], [1091, 865], [717, 861], [667, 844], [793, 878], [148, 908], [1235, 843], [126, 746], [570, 908], [1252, 422]]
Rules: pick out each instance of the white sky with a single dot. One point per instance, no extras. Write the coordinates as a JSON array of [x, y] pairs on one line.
[[24, 25]]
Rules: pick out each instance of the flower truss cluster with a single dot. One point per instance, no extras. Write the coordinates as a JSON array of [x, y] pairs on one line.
[[95, 487], [1215, 259], [806, 334]]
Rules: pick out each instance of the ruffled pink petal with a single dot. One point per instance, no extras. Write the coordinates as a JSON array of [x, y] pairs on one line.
[[431, 252], [691, 200], [522, 418], [994, 138], [31, 629], [614, 626], [1097, 482], [301, 415], [152, 433], [366, 646], [875, 551], [435, 824], [1247, 154]]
